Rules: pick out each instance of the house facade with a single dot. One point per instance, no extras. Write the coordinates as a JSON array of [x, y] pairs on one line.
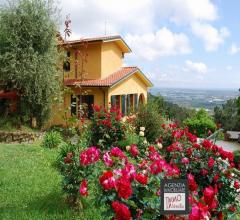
[[94, 74]]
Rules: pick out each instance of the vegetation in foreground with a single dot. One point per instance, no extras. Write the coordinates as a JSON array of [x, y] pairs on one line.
[[30, 186]]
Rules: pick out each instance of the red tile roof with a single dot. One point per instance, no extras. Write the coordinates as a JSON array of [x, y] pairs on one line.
[[108, 81]]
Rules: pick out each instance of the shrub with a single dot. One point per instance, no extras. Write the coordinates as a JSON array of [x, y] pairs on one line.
[[127, 181], [149, 118], [51, 139], [107, 127], [202, 124]]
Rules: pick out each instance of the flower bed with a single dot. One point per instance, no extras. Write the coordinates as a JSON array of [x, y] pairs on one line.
[[127, 181]]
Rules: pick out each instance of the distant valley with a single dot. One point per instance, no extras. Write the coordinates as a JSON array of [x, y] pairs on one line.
[[196, 98]]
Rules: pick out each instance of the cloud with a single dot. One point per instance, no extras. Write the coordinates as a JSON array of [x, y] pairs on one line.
[[151, 46], [135, 16], [90, 17], [234, 49], [196, 67], [187, 11], [211, 36]]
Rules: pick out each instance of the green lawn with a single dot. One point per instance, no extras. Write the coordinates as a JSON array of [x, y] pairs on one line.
[[30, 186]]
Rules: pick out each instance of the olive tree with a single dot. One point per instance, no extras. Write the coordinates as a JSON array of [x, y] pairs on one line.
[[29, 55]]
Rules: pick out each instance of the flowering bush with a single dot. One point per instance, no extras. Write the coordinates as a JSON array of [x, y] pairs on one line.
[[107, 127], [127, 182]]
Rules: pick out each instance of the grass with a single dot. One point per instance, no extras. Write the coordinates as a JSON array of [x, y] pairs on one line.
[[30, 186]]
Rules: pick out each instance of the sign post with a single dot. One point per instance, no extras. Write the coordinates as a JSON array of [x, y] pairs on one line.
[[174, 196]]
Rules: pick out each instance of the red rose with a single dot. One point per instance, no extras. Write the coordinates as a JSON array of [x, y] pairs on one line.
[[134, 150], [107, 180], [203, 172], [236, 184], [83, 188], [143, 179], [124, 188], [156, 167], [191, 182], [216, 177], [211, 162], [207, 144], [121, 211], [208, 194]]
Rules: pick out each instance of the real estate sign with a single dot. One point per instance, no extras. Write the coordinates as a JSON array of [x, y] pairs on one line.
[[174, 196]]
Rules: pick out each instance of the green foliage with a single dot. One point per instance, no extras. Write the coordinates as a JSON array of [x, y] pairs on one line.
[[172, 111], [52, 139], [201, 124], [228, 116], [148, 116], [29, 56]]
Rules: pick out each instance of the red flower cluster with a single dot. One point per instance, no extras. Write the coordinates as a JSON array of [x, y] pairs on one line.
[[83, 188], [134, 150], [124, 188], [107, 180], [121, 211], [89, 156], [141, 178]]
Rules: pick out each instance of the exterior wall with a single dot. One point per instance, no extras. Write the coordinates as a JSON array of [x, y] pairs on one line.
[[62, 110], [93, 65], [111, 59], [131, 85]]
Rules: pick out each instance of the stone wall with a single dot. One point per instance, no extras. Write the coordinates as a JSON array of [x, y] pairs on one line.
[[19, 136]]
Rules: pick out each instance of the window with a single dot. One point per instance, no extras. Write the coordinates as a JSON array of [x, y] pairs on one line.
[[82, 106], [66, 66], [73, 105]]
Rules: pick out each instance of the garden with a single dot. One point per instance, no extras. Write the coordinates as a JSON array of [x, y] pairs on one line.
[[113, 171]]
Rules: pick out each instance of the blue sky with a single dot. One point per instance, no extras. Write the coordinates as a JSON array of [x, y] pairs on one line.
[[176, 43]]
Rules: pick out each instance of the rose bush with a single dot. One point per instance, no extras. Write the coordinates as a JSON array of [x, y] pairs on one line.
[[126, 181], [107, 127]]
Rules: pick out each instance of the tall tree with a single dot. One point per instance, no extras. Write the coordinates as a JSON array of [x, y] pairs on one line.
[[29, 55]]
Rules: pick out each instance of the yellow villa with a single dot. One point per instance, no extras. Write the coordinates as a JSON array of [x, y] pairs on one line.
[[95, 74]]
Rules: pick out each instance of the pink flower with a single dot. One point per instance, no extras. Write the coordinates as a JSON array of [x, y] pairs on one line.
[[89, 156], [198, 212], [185, 160], [107, 159], [117, 152], [129, 171], [134, 150], [83, 188]]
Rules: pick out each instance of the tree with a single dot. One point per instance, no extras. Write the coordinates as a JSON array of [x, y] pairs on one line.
[[201, 124], [227, 115], [29, 55]]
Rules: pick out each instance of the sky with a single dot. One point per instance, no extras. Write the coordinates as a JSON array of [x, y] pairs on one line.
[[176, 43]]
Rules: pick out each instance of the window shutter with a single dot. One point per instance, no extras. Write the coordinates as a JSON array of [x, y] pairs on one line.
[[123, 97], [135, 102]]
